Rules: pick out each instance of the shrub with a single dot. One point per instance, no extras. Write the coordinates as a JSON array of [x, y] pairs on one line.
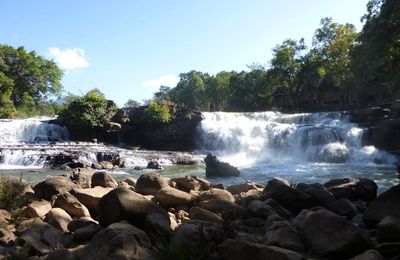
[[11, 193], [156, 113]]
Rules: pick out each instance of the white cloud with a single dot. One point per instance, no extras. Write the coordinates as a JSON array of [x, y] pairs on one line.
[[69, 59], [165, 80]]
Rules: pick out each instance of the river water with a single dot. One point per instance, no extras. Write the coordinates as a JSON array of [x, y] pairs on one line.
[[299, 147]]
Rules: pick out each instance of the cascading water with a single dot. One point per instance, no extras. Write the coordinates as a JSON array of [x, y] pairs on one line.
[[274, 144]]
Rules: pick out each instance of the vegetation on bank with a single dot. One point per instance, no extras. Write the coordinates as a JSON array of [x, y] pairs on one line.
[[341, 69]]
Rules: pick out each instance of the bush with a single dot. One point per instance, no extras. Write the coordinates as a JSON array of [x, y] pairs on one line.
[[156, 113], [12, 194]]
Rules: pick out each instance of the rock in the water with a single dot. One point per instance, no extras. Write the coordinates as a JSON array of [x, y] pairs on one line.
[[151, 183], [117, 241], [124, 204], [353, 188], [53, 186], [90, 197], [106, 165], [71, 205], [38, 209], [283, 235], [329, 235], [59, 219], [103, 179], [368, 255], [216, 168], [42, 236], [234, 249], [83, 176], [388, 230], [216, 194], [387, 204], [154, 165], [170, 197]]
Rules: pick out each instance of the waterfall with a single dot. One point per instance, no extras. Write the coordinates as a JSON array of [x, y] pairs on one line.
[[244, 138]]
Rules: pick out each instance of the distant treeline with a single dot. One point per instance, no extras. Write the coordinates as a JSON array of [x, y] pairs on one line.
[[341, 69]]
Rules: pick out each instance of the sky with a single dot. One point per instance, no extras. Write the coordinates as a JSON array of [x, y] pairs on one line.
[[128, 48]]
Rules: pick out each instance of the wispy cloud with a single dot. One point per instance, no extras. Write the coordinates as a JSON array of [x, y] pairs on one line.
[[165, 80], [69, 59]]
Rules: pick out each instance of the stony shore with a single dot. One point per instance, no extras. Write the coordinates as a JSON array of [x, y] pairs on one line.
[[89, 215]]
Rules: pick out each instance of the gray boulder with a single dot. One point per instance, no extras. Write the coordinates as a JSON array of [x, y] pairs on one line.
[[103, 179], [151, 183], [216, 168]]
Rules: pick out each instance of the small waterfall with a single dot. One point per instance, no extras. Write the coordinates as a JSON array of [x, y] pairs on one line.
[[243, 138]]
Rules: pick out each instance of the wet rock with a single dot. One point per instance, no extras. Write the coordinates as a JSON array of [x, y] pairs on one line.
[[238, 249], [290, 198], [387, 204], [42, 236], [216, 194], [90, 197], [283, 235], [353, 188], [71, 205], [154, 165], [388, 230], [117, 241], [83, 177], [171, 197], [216, 168], [368, 255], [38, 209], [52, 187], [124, 204], [59, 219], [151, 183], [328, 235], [205, 215]]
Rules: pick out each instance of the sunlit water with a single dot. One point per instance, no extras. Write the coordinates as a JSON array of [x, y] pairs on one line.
[[298, 147]]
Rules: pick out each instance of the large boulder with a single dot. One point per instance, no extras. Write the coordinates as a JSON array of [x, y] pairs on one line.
[[117, 241], [83, 176], [260, 209], [205, 215], [103, 179], [216, 168], [234, 249], [326, 234], [243, 187], [222, 207], [171, 197], [90, 197], [387, 204], [42, 236], [37, 209], [283, 235], [388, 230], [59, 219], [158, 227], [151, 183], [353, 188], [290, 198], [186, 183], [52, 187], [71, 205], [125, 204], [216, 194]]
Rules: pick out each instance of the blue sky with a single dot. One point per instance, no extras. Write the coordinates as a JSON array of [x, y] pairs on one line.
[[128, 48]]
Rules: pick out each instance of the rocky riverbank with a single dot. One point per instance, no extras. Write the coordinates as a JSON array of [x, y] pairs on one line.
[[89, 215]]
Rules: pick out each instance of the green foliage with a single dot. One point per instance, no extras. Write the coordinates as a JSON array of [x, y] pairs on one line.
[[11, 193], [27, 105], [156, 113], [91, 110], [7, 108], [131, 104]]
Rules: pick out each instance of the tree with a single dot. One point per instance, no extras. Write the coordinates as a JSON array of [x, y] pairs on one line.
[[131, 104], [27, 105], [156, 113], [163, 94]]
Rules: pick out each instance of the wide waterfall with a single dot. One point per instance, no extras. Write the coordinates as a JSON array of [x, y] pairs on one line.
[[313, 146]]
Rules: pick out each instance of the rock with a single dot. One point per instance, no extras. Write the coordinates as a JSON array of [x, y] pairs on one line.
[[319, 195], [90, 197], [62, 253], [259, 209], [187, 183], [245, 198], [7, 238], [205, 215], [78, 223], [368, 255], [103, 179], [238, 249], [222, 206], [151, 183], [299, 219], [388, 230], [37, 209], [83, 177], [170, 197], [387, 204], [124, 204], [290, 198], [157, 227], [106, 165], [281, 234], [71, 205], [86, 233], [204, 184], [117, 241], [216, 168], [336, 237], [5, 216], [353, 188], [216, 194], [198, 237], [281, 211], [154, 165], [344, 207], [131, 181], [389, 250], [59, 219], [244, 187], [53, 186], [42, 236]]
